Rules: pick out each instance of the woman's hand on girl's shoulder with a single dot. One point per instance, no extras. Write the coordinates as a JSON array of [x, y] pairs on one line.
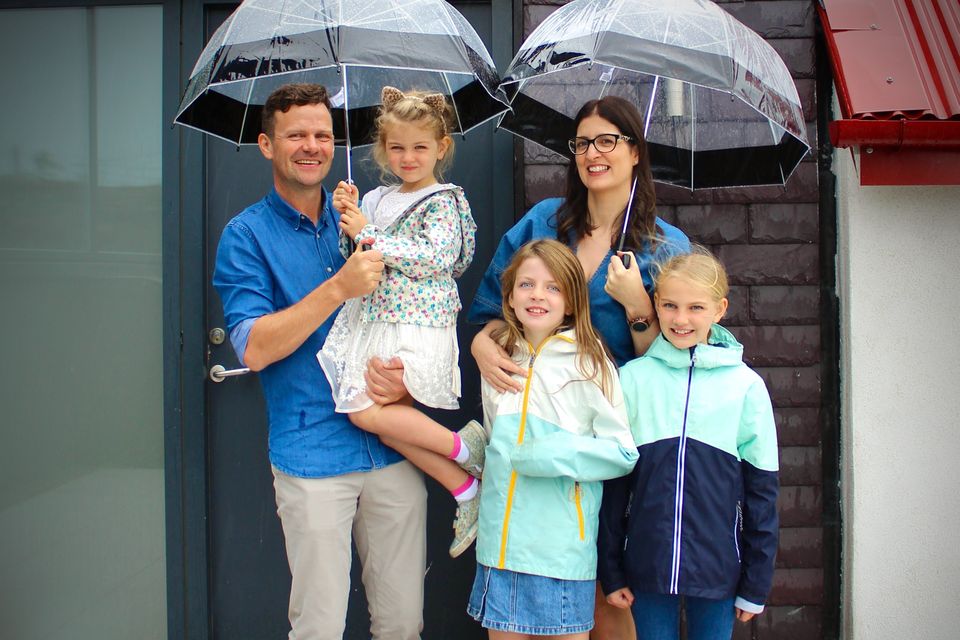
[[494, 364]]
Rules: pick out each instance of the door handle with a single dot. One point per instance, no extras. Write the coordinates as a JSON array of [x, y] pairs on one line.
[[218, 373]]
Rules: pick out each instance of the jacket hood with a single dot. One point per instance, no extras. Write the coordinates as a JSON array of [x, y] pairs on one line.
[[721, 350]]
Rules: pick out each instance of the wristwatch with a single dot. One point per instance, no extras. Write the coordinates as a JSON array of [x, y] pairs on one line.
[[639, 325]]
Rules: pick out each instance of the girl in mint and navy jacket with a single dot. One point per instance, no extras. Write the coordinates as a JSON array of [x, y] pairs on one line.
[[550, 449], [697, 518]]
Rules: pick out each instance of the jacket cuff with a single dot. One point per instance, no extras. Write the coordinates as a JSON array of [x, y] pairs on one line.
[[611, 577], [746, 605], [369, 231]]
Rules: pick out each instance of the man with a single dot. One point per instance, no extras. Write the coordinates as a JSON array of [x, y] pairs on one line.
[[281, 279]]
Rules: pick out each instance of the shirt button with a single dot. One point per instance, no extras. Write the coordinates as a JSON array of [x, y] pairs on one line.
[[329, 269]]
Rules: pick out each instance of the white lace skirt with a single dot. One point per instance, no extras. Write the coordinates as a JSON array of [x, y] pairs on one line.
[[430, 358]]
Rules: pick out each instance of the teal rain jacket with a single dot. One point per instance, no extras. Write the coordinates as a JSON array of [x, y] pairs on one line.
[[550, 448]]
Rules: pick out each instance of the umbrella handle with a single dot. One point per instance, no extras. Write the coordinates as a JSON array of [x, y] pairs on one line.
[[346, 120], [626, 221]]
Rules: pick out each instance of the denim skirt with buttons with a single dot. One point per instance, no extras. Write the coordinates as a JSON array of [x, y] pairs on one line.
[[536, 605]]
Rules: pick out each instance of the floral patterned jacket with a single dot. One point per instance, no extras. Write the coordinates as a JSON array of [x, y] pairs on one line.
[[424, 249]]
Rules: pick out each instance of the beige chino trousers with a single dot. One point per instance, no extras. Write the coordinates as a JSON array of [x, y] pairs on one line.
[[385, 511]]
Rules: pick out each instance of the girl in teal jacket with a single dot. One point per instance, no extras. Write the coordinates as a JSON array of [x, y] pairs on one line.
[[550, 449], [701, 504]]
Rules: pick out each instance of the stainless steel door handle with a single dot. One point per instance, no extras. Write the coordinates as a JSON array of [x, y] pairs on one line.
[[219, 374]]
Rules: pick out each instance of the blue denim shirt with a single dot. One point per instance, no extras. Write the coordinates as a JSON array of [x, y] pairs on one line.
[[270, 257], [607, 315]]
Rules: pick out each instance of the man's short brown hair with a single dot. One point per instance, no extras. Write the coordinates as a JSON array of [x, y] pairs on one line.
[[291, 95]]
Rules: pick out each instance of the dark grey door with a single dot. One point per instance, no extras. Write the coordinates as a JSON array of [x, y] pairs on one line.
[[248, 578]]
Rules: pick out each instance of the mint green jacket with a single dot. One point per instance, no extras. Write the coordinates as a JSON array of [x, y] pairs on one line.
[[550, 448]]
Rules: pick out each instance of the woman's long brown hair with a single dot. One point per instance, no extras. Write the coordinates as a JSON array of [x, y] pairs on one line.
[[592, 359], [573, 218]]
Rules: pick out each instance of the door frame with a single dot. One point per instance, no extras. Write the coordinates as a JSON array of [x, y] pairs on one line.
[[184, 313], [184, 305]]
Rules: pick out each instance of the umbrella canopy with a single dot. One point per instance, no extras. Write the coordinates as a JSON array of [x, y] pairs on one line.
[[720, 106], [354, 48]]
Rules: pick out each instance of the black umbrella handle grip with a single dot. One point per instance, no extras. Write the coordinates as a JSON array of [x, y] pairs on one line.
[[626, 260]]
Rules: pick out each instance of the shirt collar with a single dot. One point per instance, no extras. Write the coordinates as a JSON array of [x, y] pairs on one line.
[[294, 217]]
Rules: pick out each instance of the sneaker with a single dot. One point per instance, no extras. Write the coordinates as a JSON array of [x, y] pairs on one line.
[[465, 525], [475, 437]]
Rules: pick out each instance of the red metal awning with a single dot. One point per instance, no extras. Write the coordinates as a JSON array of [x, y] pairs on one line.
[[897, 71]]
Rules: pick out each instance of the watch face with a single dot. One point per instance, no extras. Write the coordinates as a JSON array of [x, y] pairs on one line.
[[639, 326]]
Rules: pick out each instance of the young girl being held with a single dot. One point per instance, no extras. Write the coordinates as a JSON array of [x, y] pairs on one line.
[[701, 504], [550, 448], [425, 232]]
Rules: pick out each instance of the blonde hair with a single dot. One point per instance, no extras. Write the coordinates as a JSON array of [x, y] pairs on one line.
[[592, 358], [700, 268], [434, 115]]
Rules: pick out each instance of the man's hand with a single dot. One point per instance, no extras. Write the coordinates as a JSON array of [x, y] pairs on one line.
[[621, 598], [744, 616], [352, 220], [344, 194], [361, 274], [385, 380]]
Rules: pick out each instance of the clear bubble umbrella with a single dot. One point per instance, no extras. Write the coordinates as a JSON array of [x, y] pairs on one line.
[[354, 48], [720, 107]]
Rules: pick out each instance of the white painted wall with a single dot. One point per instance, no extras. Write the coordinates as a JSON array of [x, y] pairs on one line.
[[899, 286]]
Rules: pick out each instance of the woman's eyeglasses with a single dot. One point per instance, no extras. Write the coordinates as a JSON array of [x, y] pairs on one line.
[[604, 143]]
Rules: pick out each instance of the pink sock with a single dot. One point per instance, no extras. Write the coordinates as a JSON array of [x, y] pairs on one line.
[[467, 490], [457, 445]]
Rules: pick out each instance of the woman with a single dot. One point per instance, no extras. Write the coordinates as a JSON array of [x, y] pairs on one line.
[[609, 154]]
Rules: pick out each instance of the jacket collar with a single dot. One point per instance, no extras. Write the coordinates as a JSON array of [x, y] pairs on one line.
[[293, 217], [562, 342]]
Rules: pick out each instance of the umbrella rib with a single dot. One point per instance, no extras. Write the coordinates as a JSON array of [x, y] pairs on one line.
[[653, 96], [601, 32], [453, 105], [253, 83], [452, 28], [246, 109]]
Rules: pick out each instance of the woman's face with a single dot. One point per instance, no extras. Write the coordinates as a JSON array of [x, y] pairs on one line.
[[612, 170]]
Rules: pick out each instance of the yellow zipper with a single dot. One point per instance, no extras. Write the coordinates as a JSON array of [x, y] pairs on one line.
[[513, 473], [576, 499]]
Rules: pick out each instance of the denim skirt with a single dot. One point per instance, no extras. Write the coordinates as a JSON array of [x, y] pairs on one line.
[[535, 605]]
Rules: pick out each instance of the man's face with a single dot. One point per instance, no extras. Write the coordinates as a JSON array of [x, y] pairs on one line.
[[301, 148]]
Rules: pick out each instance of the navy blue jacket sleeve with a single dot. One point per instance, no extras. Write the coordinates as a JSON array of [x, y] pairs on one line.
[[612, 534], [757, 445], [760, 533]]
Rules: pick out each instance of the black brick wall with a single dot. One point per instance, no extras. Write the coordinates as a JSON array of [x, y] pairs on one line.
[[768, 239]]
